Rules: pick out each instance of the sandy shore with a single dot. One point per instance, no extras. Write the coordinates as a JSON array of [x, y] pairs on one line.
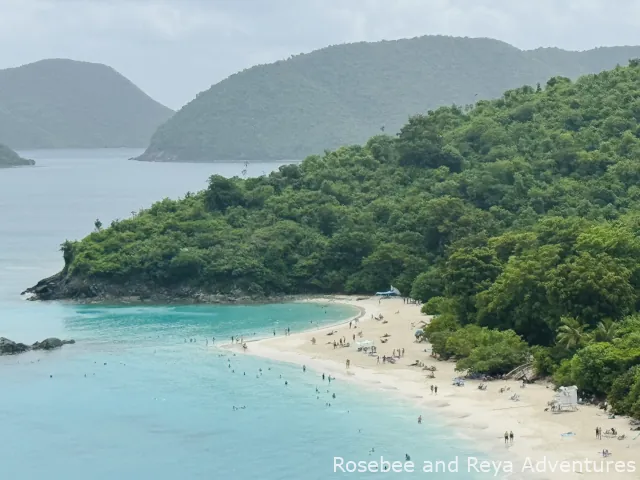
[[481, 416]]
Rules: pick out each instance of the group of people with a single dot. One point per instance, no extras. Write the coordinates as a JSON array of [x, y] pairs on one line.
[[508, 438], [611, 431], [340, 343]]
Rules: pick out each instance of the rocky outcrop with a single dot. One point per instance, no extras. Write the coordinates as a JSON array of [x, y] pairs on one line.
[[90, 290], [51, 343], [9, 347]]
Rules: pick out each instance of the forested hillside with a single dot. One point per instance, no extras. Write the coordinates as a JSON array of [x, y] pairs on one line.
[[520, 214], [9, 158], [344, 94], [67, 104]]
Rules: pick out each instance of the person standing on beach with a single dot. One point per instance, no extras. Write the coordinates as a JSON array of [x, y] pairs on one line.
[[435, 389], [420, 419], [506, 437], [431, 389], [511, 437], [349, 324]]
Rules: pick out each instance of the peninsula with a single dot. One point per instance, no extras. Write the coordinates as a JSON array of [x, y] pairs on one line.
[[9, 158], [515, 220]]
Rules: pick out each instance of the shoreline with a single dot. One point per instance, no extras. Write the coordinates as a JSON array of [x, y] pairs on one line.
[[478, 416]]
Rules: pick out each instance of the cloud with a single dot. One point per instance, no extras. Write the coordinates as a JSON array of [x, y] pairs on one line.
[[175, 48]]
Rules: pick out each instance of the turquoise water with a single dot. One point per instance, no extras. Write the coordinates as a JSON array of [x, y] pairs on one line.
[[131, 399]]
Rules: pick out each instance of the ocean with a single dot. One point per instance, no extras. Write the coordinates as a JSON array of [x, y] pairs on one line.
[[134, 398]]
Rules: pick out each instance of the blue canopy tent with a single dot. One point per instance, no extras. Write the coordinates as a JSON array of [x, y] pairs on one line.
[[392, 292]]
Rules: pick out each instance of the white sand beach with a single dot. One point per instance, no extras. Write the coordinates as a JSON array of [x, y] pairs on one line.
[[480, 416]]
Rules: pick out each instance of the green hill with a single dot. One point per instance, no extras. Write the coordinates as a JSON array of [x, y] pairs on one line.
[[68, 104], [343, 94], [9, 158], [517, 221]]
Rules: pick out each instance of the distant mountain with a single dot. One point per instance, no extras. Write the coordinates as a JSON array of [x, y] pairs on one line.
[[68, 104], [9, 158], [343, 94]]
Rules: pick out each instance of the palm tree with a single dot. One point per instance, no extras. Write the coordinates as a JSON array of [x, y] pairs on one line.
[[571, 333], [606, 331]]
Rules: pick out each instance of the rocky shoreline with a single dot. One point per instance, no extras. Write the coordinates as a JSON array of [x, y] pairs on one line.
[[91, 291], [9, 347]]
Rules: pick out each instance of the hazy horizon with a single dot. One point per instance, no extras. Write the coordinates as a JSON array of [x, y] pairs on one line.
[[174, 49]]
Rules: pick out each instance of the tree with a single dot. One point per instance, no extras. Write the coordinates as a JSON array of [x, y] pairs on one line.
[[596, 367], [591, 287], [223, 193], [502, 353], [427, 285], [571, 333], [606, 331], [97, 225]]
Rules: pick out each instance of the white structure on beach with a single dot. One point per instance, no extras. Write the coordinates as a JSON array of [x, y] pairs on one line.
[[392, 292], [566, 398]]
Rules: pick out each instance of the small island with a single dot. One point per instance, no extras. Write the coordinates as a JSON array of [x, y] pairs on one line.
[[514, 220], [9, 158]]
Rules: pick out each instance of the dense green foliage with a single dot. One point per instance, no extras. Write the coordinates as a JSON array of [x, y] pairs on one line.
[[344, 94], [519, 215], [69, 104], [9, 158]]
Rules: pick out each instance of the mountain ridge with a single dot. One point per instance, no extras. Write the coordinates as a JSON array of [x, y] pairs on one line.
[[64, 103], [343, 94]]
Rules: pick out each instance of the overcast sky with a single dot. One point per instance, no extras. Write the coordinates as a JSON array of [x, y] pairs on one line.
[[173, 49]]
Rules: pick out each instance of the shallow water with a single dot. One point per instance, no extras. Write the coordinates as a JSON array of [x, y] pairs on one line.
[[131, 399]]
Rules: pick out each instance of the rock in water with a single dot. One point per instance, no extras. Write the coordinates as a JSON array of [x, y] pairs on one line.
[[9, 347], [50, 344]]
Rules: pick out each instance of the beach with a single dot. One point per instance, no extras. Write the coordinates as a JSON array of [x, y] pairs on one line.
[[478, 416]]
